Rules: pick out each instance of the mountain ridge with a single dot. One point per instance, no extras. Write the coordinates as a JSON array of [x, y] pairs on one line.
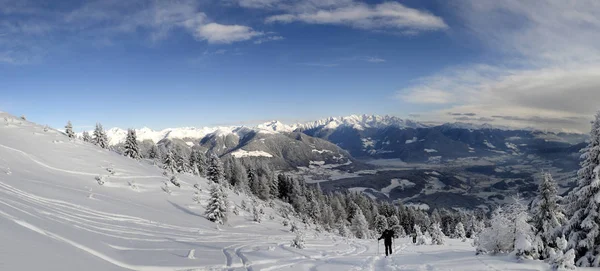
[[360, 122]]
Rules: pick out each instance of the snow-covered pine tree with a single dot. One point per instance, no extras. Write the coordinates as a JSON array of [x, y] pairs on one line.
[[201, 162], [239, 176], [459, 232], [181, 165], [86, 137], [298, 241], [218, 205], [169, 161], [338, 210], [498, 237], [360, 226], [69, 130], [547, 217], [274, 185], [393, 221], [437, 236], [132, 150], [100, 139], [153, 152], [436, 217], [193, 164], [509, 232], [421, 239], [380, 224], [257, 214], [315, 210], [215, 170], [343, 229], [327, 216], [524, 235], [476, 227], [583, 228], [560, 260], [262, 189]]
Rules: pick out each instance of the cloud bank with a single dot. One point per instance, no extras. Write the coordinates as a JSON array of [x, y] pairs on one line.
[[547, 72]]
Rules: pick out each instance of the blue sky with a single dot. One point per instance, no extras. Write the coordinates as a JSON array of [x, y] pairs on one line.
[[201, 63]]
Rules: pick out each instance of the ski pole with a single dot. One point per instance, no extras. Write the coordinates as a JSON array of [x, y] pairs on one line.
[[377, 246]]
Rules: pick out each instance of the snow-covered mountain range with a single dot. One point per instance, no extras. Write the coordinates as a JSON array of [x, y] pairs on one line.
[[117, 135], [338, 140]]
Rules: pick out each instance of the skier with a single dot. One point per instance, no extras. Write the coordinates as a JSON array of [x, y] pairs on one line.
[[387, 236]]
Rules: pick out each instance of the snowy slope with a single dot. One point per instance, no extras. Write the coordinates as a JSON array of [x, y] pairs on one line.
[[55, 216]]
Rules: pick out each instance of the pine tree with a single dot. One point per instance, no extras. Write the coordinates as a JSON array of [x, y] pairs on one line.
[[218, 205], [360, 226], [560, 260], [547, 217], [394, 224], [215, 170], [100, 138], [132, 150], [460, 232], [153, 152], [273, 186], [169, 162], [380, 224], [509, 231], [239, 176], [69, 130], [583, 228], [421, 238], [201, 163], [86, 137], [437, 236], [298, 241], [180, 162], [343, 229], [257, 214], [339, 210], [262, 189], [193, 164]]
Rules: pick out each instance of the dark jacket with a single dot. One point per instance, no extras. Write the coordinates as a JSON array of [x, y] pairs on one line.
[[387, 236]]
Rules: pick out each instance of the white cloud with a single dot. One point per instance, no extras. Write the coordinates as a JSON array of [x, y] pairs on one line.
[[388, 15], [268, 39], [548, 74], [374, 59], [31, 29], [293, 5], [219, 33]]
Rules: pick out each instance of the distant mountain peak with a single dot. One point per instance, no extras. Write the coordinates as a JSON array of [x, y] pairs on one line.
[[361, 122], [275, 126]]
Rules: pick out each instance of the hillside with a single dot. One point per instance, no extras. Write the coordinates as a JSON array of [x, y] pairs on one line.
[[56, 216]]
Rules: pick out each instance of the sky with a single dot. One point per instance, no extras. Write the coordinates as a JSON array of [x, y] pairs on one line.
[[174, 63]]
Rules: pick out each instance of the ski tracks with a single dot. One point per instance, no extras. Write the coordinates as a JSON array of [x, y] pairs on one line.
[[73, 172]]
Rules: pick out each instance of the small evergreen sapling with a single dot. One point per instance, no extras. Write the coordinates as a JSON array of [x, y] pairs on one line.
[[132, 150], [298, 241], [69, 130], [218, 205], [459, 232], [437, 236]]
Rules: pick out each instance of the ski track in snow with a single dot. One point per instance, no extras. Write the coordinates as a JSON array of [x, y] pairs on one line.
[[32, 158]]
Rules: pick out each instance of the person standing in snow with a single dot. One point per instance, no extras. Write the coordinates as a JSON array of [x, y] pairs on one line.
[[387, 236]]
